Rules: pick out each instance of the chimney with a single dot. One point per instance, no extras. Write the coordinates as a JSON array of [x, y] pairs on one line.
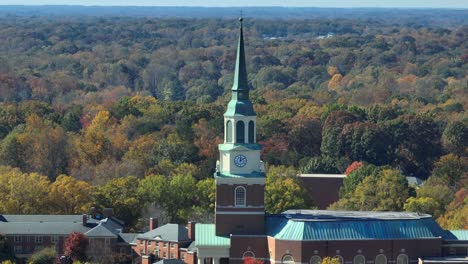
[[108, 212], [153, 223], [191, 230], [85, 219], [92, 212]]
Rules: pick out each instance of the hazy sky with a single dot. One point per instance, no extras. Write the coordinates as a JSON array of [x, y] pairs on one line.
[[224, 3]]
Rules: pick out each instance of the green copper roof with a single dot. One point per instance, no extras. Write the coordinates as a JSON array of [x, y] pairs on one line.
[[457, 234], [336, 225], [228, 147], [254, 174], [240, 103], [205, 236]]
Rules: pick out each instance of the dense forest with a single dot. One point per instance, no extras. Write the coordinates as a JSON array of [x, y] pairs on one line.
[[127, 112]]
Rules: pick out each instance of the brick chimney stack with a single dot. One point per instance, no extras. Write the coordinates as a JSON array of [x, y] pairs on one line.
[[85, 219], [191, 230], [153, 223]]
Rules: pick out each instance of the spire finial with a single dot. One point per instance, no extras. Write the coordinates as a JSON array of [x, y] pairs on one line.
[[240, 75]]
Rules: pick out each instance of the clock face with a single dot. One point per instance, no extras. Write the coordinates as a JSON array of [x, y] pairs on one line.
[[240, 160]]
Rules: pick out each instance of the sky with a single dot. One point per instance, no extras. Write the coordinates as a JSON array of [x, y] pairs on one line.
[[237, 3]]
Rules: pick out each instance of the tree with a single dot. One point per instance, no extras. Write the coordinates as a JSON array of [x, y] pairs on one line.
[[252, 260], [330, 260], [452, 168], [17, 200], [283, 191], [455, 137], [44, 256], [75, 246], [426, 205], [174, 195], [6, 250], [456, 216], [386, 191], [70, 196], [122, 195]]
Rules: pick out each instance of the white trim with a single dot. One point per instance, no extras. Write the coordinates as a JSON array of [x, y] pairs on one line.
[[248, 206], [340, 176], [240, 213]]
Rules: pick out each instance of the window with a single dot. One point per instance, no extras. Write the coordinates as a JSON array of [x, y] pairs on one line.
[[54, 239], [182, 256], [359, 259], [164, 255], [38, 239], [172, 255], [287, 259], [18, 249], [18, 239], [165, 244], [381, 259], [240, 132], [123, 251], [229, 131], [315, 260], [248, 254], [149, 243], [156, 252], [251, 132], [172, 245], [239, 196], [402, 259], [142, 242]]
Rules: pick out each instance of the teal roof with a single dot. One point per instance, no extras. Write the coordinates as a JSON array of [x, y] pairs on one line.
[[240, 103], [254, 174], [350, 225], [457, 234], [228, 147], [205, 236]]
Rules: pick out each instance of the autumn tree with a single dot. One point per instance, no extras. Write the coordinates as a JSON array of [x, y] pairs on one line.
[[70, 196], [174, 195], [16, 200], [122, 195], [44, 256], [75, 246], [283, 191]]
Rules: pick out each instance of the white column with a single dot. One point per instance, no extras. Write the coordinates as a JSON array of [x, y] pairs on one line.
[[215, 260], [201, 260]]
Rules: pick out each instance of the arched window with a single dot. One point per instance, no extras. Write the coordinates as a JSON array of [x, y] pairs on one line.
[[248, 254], [251, 132], [359, 259], [287, 259], [240, 132], [315, 260], [229, 131], [239, 194], [381, 259], [402, 259], [340, 258]]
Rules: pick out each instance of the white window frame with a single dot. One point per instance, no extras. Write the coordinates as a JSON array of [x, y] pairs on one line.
[[240, 201], [359, 256], [403, 255], [287, 259], [314, 257], [38, 239]]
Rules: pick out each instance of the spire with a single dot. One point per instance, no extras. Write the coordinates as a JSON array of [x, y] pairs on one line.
[[240, 75], [240, 103]]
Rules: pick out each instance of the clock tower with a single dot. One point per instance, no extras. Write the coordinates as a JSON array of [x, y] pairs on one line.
[[240, 174]]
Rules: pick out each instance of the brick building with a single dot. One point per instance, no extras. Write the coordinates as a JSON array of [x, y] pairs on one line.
[[168, 242], [242, 229], [30, 233]]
